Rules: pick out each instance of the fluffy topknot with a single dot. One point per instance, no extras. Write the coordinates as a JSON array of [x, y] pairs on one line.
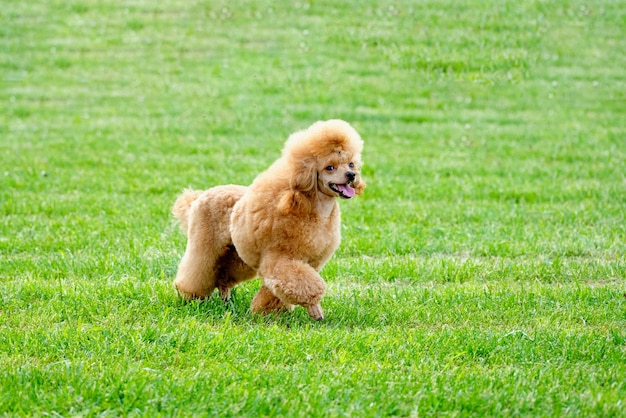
[[322, 139]]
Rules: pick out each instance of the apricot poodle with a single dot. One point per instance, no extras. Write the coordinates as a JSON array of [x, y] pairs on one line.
[[284, 227]]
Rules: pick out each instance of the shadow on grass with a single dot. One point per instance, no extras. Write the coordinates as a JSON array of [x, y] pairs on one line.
[[340, 312]]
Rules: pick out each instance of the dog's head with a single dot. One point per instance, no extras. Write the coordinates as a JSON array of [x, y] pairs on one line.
[[326, 157]]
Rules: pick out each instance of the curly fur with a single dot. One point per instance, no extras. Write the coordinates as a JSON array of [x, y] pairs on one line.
[[284, 227]]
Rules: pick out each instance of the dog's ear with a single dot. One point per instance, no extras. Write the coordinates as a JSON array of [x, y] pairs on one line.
[[294, 202], [304, 177], [359, 187], [302, 182]]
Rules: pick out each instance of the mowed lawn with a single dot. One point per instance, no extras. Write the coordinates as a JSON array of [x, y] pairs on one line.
[[482, 273]]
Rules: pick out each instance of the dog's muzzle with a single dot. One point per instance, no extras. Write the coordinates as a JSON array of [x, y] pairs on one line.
[[346, 191]]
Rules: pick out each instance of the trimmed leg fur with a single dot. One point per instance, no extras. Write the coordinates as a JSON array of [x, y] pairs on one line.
[[265, 302], [294, 282], [210, 260]]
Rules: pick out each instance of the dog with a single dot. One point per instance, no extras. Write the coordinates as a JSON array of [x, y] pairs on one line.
[[283, 228]]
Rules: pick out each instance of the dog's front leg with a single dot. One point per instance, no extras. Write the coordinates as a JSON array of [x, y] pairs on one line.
[[294, 282], [315, 311], [265, 302]]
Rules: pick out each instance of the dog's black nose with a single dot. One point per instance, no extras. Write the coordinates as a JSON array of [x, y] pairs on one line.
[[350, 175]]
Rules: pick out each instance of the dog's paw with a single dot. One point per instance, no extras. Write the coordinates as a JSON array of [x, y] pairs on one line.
[[225, 294], [315, 312]]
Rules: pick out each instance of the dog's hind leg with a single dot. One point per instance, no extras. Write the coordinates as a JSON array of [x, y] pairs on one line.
[[209, 244], [294, 282], [196, 276], [231, 271], [196, 271]]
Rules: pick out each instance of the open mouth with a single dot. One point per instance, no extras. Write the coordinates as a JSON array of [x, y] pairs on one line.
[[343, 190]]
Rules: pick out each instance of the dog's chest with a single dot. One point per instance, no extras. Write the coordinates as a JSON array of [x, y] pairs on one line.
[[319, 240]]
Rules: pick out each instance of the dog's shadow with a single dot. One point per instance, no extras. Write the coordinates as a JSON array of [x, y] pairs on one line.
[[339, 312], [236, 311]]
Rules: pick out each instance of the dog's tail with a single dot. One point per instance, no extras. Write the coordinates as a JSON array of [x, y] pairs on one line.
[[181, 207]]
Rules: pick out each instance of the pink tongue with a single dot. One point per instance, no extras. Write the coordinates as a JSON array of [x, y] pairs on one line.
[[346, 190]]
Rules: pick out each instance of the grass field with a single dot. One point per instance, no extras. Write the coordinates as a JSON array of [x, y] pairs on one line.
[[482, 273]]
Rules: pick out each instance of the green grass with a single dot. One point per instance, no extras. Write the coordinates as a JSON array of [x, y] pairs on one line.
[[481, 274]]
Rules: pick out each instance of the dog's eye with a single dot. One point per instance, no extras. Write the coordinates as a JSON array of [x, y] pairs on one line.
[[330, 168], [351, 165]]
